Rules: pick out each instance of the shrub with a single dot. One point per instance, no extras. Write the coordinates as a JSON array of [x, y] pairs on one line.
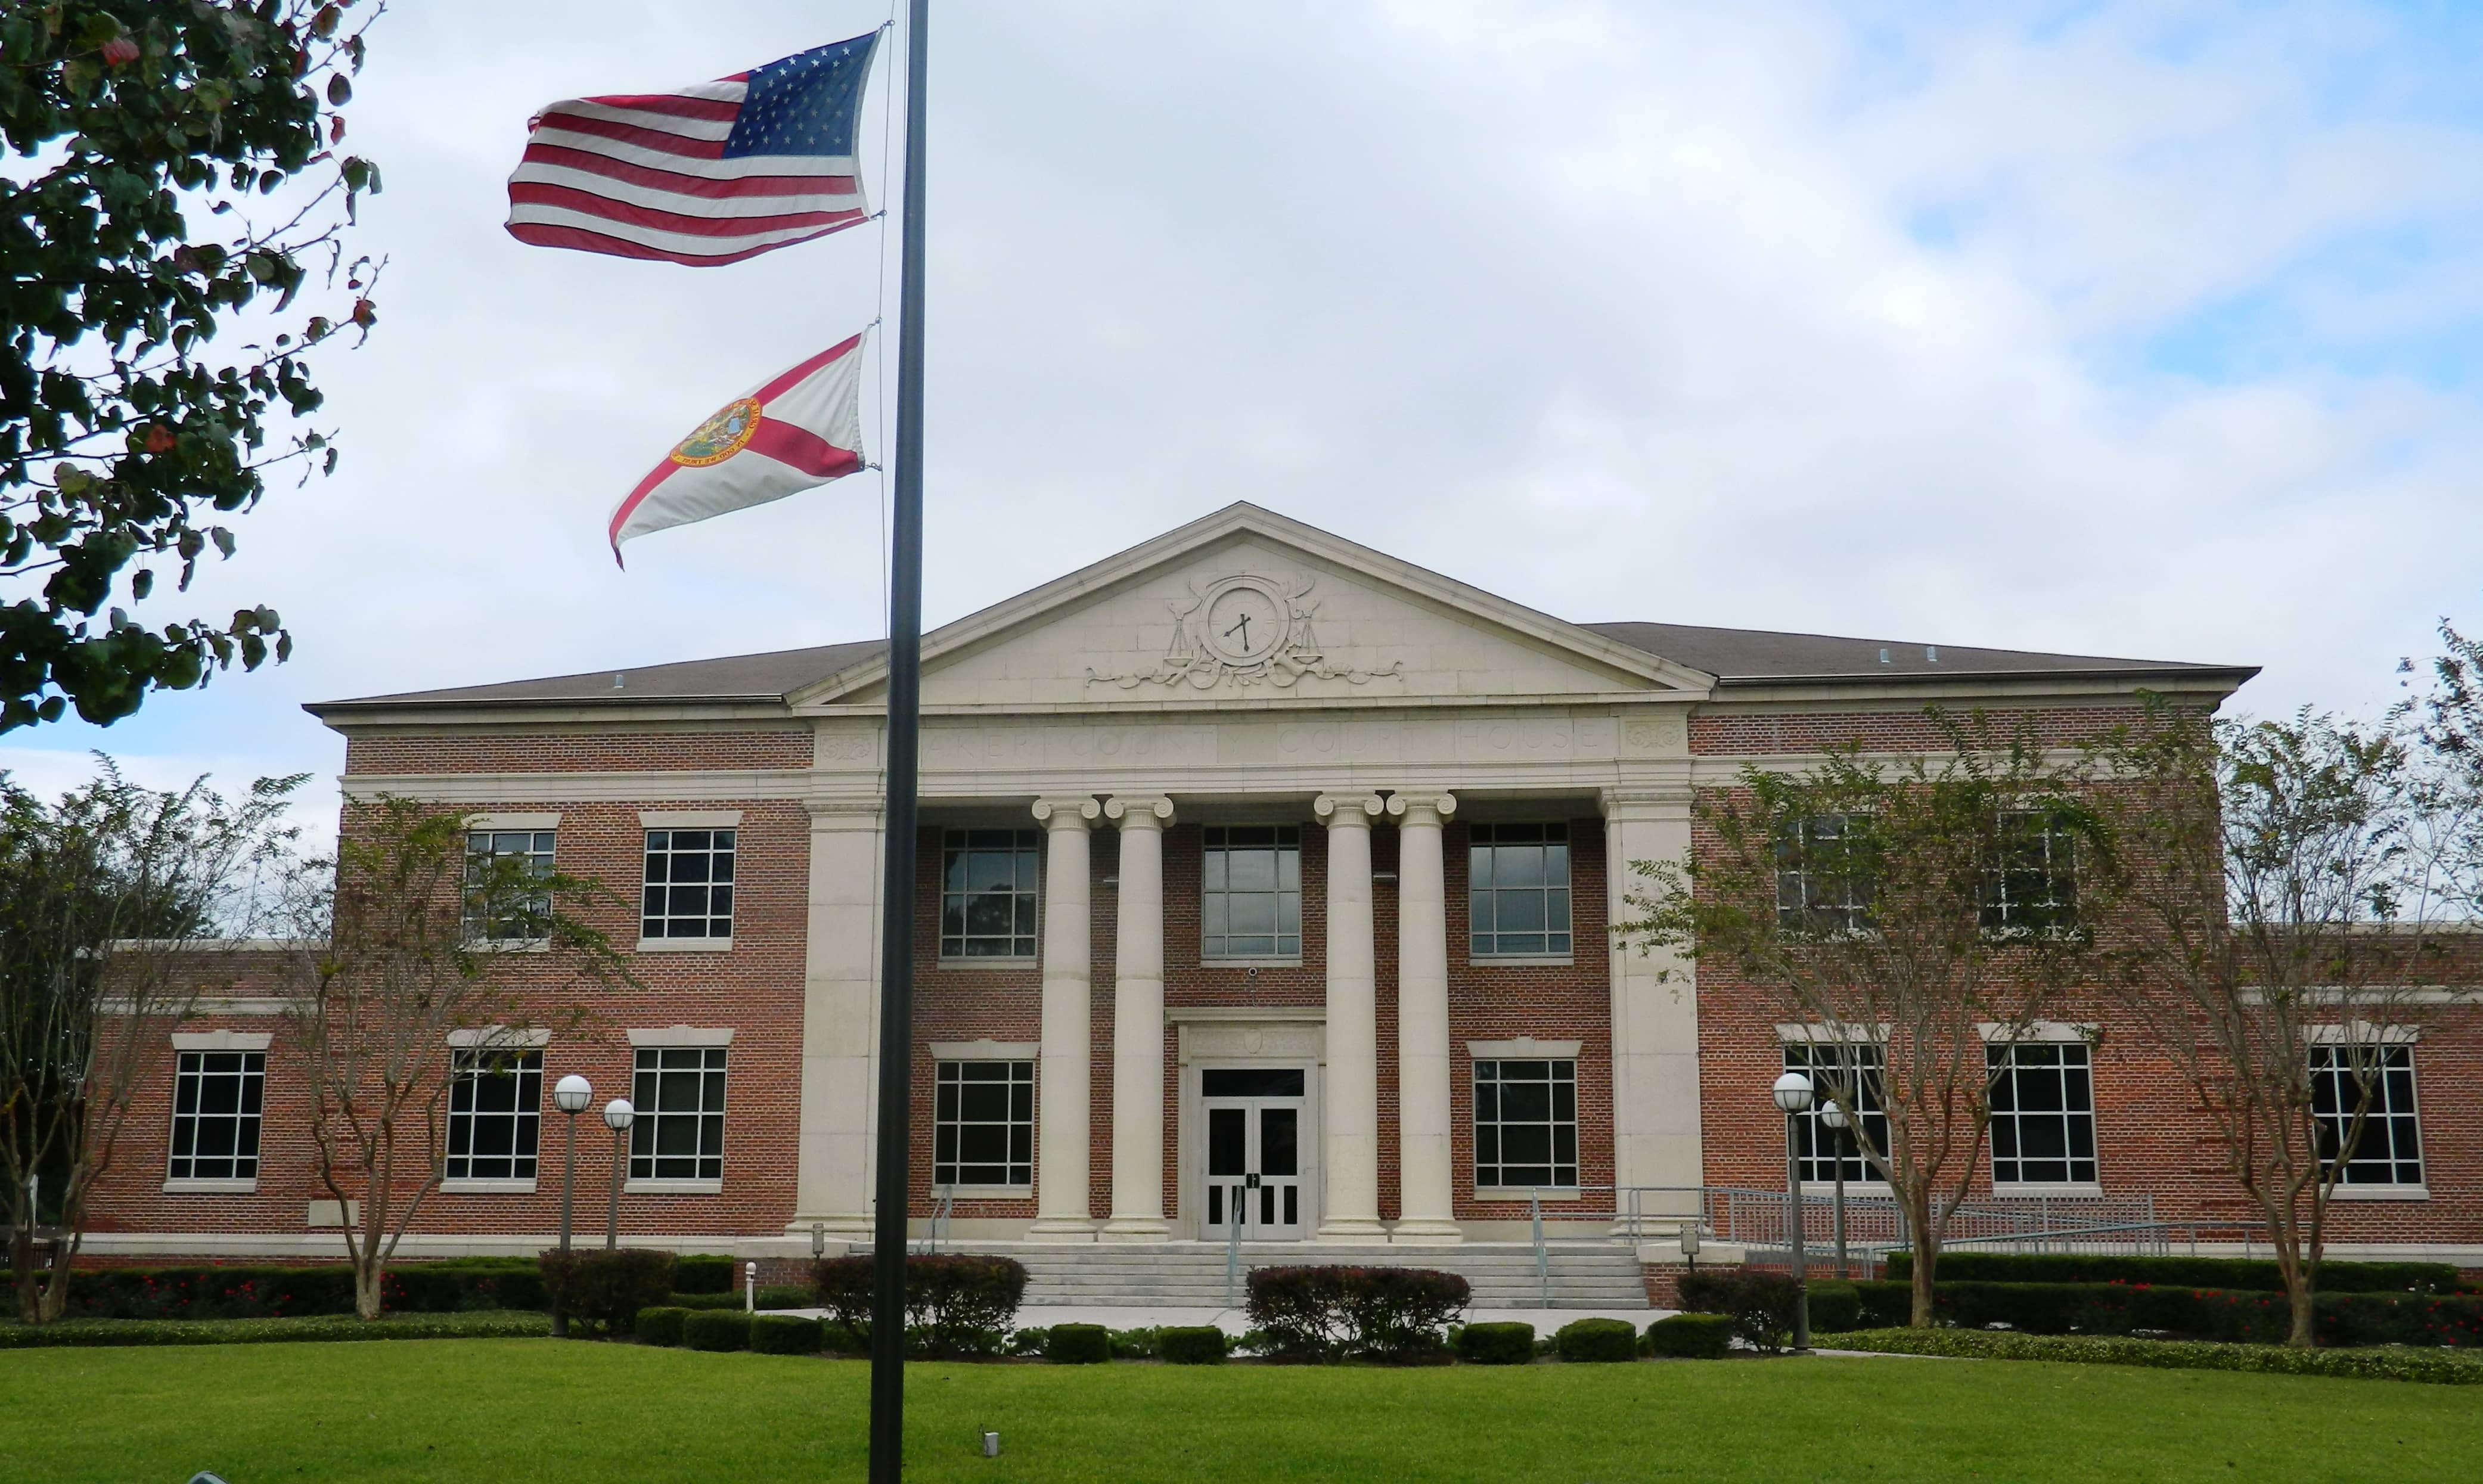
[[955, 1304], [1759, 1303], [681, 1300], [1077, 1344], [1835, 1304], [716, 1329], [1393, 1314], [463, 1284], [661, 1324], [1496, 1344], [784, 1334], [1597, 1339], [1136, 1344], [2244, 1273], [1191, 1344], [837, 1339], [510, 1324], [2390, 1364], [2234, 1315], [784, 1295], [606, 1290], [1690, 1338], [706, 1275], [1885, 1305]]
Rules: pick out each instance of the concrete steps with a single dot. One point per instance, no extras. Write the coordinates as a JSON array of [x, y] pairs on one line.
[[1192, 1274]]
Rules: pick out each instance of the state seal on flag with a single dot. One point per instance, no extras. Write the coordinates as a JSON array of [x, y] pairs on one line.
[[721, 436]]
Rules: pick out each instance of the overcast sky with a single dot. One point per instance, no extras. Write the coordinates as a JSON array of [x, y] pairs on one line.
[[2145, 330]]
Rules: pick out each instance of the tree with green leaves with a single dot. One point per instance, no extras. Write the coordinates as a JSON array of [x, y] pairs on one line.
[[181, 179], [111, 899], [1912, 915], [416, 961]]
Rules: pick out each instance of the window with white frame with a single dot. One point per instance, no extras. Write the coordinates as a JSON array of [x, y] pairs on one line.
[[2377, 1079], [1822, 885], [1250, 903], [689, 884], [494, 1114], [1526, 1124], [1517, 880], [988, 893], [499, 908], [679, 1132], [2032, 884], [982, 1131], [1818, 1150], [216, 1098], [2042, 1113]]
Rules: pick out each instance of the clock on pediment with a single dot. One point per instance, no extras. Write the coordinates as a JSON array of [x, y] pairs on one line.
[[1247, 629], [1243, 620]]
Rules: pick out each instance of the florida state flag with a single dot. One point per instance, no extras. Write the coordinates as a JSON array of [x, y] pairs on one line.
[[797, 429]]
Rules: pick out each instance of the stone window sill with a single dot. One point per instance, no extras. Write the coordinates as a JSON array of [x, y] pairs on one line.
[[2082, 1191], [988, 965], [524, 1187], [2382, 1193], [684, 945], [985, 1192], [1521, 960], [674, 1187], [211, 1187], [1520, 1194], [1281, 961]]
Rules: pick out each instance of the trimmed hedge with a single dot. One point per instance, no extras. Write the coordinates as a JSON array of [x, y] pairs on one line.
[[1690, 1338], [1191, 1344], [1509, 1343], [706, 1275], [605, 1291], [716, 1329], [1077, 1344], [1759, 1303], [784, 1334], [1389, 1313], [1835, 1304], [1597, 1341], [659, 1324], [2256, 1273], [465, 1285], [956, 1304], [774, 1296], [2392, 1363], [2249, 1316], [506, 1324]]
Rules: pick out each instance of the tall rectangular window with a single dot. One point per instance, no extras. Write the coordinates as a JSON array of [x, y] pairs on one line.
[[494, 1114], [988, 893], [2043, 1114], [1822, 885], [982, 1131], [689, 884], [216, 1098], [1526, 1124], [1818, 1150], [2389, 1151], [496, 910], [1251, 901], [2032, 886], [679, 1132], [1518, 884]]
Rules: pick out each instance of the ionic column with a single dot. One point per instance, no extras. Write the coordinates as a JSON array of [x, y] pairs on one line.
[[1423, 1165], [1350, 1110], [832, 1181], [1138, 1024], [1062, 1087]]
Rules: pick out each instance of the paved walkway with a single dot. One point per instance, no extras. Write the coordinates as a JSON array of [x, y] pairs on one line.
[[1233, 1321]]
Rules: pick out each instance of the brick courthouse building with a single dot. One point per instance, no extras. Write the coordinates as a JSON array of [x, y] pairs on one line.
[[1265, 879]]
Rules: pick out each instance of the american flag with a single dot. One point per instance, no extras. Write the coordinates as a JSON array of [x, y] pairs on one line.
[[705, 174]]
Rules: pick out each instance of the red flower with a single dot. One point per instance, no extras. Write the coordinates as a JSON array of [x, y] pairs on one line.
[[119, 50], [159, 439]]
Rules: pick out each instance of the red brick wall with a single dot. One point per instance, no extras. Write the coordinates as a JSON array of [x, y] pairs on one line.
[[1759, 733], [578, 752]]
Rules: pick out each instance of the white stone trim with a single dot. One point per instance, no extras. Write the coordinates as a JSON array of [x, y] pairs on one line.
[[488, 1187], [985, 1192], [2060, 1032], [1515, 1193], [673, 1187], [1828, 1033], [2362, 1033], [2382, 1193], [2022, 1190], [986, 1051], [1524, 1049], [1177, 1013], [683, 1036], [499, 1038], [690, 819], [530, 821], [1475, 960], [581, 787], [211, 1187], [221, 1040], [684, 945], [331, 1215]]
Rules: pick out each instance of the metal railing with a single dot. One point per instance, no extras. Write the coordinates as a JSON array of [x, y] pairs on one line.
[[944, 1206]]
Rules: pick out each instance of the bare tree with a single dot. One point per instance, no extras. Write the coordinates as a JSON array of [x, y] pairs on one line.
[[411, 943], [2282, 885], [106, 898], [1907, 912]]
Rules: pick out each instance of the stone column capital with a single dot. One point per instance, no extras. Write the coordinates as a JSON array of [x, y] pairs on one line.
[[843, 813], [1649, 803], [1422, 809], [1141, 813], [1075, 812], [1350, 811]]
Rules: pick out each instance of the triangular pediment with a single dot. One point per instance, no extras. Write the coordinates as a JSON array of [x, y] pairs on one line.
[[1247, 606]]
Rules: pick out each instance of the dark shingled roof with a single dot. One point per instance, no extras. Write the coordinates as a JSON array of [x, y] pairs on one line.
[[1736, 656]]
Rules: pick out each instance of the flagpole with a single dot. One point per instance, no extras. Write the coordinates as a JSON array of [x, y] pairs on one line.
[[904, 705]]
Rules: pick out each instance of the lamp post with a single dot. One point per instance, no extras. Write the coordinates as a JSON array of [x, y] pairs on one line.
[[618, 1115], [570, 1095], [1792, 1094], [1833, 1116]]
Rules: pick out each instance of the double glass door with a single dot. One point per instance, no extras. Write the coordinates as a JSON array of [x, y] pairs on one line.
[[1254, 1147]]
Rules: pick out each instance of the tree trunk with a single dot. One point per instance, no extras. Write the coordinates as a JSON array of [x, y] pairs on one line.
[[367, 1276], [21, 1265], [2298, 1293], [55, 1300], [1926, 1260]]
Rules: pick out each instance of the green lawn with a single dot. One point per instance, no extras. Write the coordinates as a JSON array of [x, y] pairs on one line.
[[541, 1410]]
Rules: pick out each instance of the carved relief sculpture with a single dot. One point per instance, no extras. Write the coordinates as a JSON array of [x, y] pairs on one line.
[[1247, 629]]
